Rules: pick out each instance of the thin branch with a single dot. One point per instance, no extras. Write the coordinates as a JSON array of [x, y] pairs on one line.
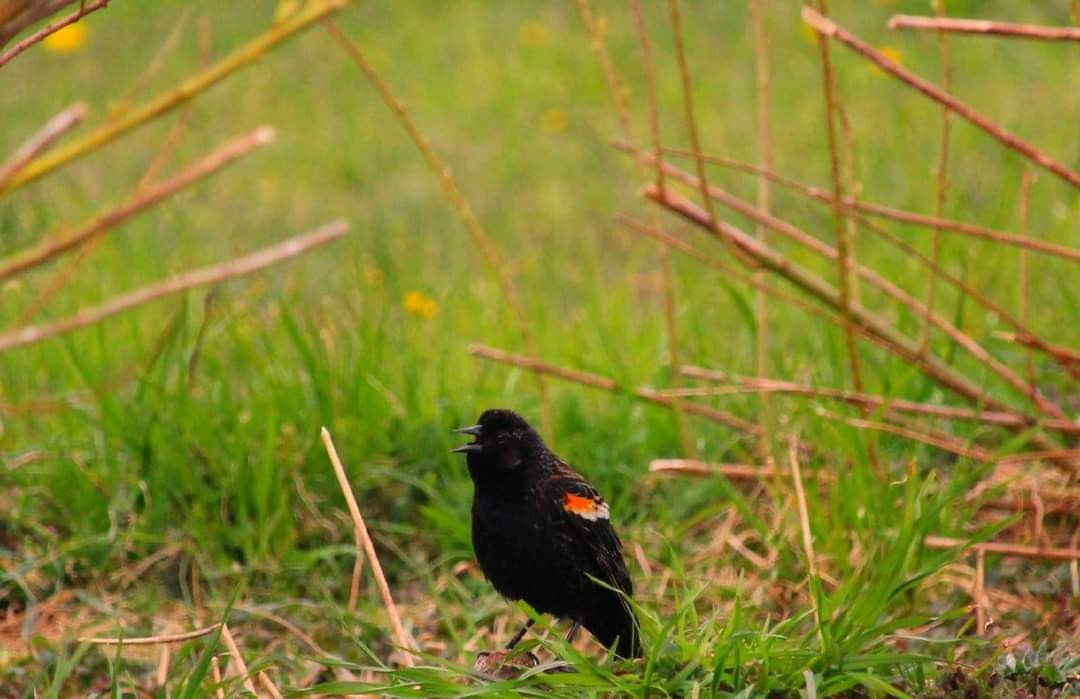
[[85, 8], [1007, 549], [44, 137], [879, 330], [879, 211], [54, 245], [968, 343], [1022, 267], [185, 91], [238, 659], [934, 439], [690, 467], [457, 200], [985, 27], [979, 593], [682, 246], [400, 635], [804, 525], [201, 277], [606, 384], [764, 197], [940, 181], [824, 25], [691, 125], [766, 385], [264, 680], [844, 256], [151, 640]]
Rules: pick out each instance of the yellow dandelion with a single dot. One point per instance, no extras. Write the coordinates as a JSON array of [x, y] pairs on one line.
[[554, 121], [67, 39], [892, 55], [532, 35], [419, 304]]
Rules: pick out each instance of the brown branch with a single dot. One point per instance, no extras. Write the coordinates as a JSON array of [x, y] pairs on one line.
[[940, 181], [606, 384], [791, 231], [407, 645], [201, 277], [238, 659], [844, 256], [44, 137], [880, 211], [188, 89], [985, 27], [151, 640], [1059, 354], [1006, 549], [55, 245], [882, 332], [766, 385], [85, 8], [824, 25], [690, 467], [934, 439], [764, 202], [457, 200], [691, 125]]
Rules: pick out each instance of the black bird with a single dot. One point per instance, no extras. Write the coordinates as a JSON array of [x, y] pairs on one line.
[[540, 531]]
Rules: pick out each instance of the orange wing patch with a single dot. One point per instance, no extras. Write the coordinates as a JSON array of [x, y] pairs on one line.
[[584, 507]]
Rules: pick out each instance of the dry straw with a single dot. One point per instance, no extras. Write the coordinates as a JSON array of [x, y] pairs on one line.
[[401, 637]]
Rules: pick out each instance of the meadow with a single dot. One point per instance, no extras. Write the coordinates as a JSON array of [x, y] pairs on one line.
[[163, 469]]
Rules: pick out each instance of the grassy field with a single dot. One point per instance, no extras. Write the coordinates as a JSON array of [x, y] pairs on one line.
[[163, 469]]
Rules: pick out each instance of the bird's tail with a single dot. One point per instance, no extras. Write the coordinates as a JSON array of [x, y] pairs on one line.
[[617, 628]]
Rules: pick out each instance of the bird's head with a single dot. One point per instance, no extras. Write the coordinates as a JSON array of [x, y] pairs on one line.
[[502, 444]]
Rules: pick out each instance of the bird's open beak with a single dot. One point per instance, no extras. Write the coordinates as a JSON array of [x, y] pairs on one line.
[[473, 447]]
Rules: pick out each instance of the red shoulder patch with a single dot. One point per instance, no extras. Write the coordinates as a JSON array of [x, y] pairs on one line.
[[585, 507]]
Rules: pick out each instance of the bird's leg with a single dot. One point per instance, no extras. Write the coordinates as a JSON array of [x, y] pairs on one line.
[[520, 634], [573, 631]]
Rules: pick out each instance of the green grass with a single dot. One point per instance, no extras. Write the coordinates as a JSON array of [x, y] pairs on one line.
[[193, 424]]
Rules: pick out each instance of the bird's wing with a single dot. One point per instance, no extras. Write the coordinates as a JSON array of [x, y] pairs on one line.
[[588, 516]]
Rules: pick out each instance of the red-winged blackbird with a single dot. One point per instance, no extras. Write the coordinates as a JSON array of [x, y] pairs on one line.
[[540, 531]]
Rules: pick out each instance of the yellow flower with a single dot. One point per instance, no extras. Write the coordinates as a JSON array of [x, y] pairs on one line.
[[420, 304], [67, 39], [892, 55], [554, 121], [532, 35]]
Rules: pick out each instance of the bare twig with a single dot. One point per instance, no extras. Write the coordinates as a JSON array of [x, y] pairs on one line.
[[880, 211], [401, 637], [1022, 264], [237, 659], [85, 8], [604, 383], [873, 277], [941, 182], [979, 593], [215, 675], [185, 91], [689, 467], [692, 130], [201, 277], [151, 640], [804, 525], [1007, 549], [764, 196], [879, 330], [933, 438], [457, 200], [824, 25], [843, 257], [57, 244], [264, 680], [357, 572], [984, 26], [766, 385], [44, 137]]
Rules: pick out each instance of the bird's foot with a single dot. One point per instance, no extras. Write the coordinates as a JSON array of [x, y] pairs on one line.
[[504, 664]]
